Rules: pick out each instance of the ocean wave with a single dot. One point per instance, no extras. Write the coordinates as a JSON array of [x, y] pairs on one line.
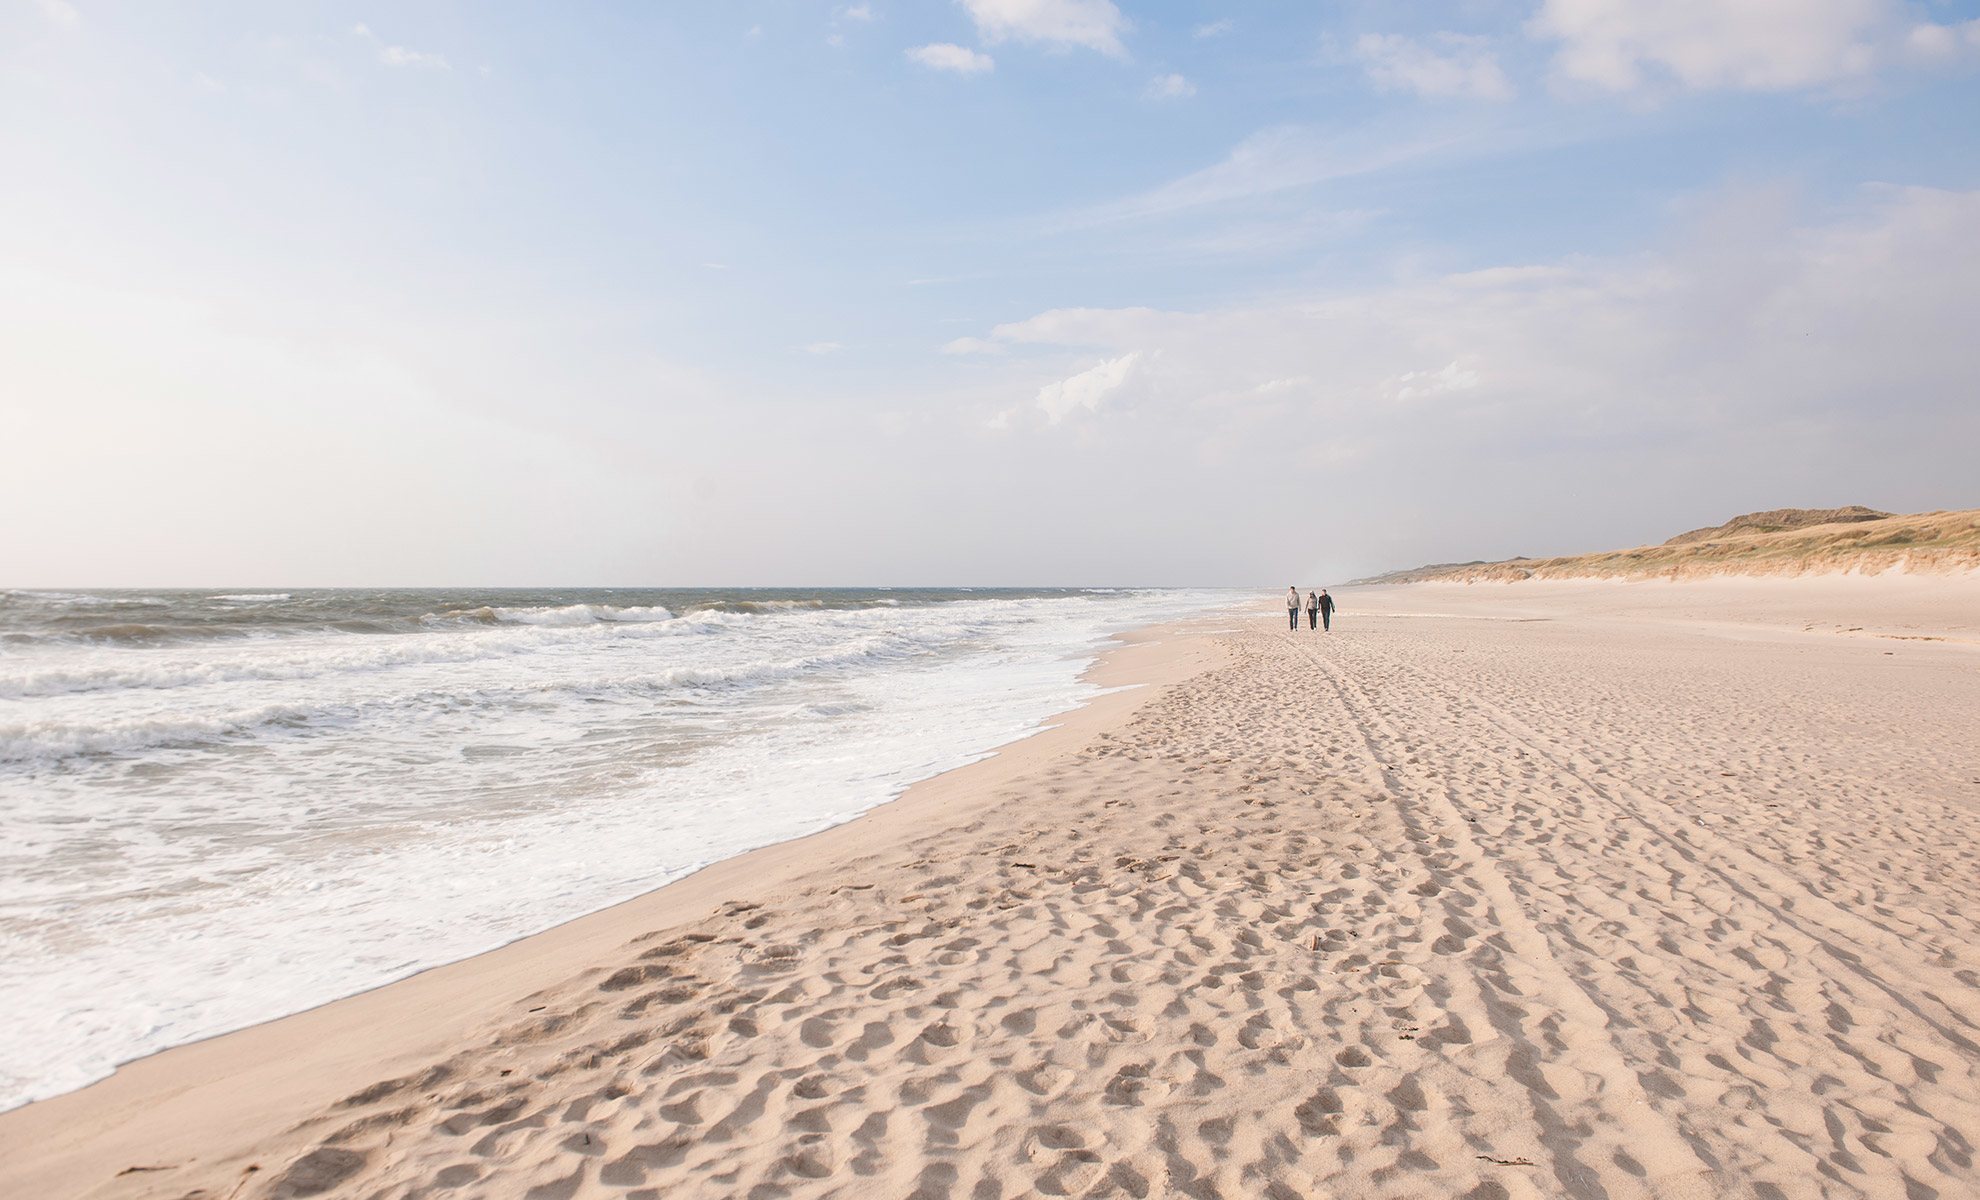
[[41, 743], [751, 673], [176, 673], [757, 606], [143, 633], [75, 599], [564, 614], [144, 622], [468, 638], [166, 667], [148, 634]]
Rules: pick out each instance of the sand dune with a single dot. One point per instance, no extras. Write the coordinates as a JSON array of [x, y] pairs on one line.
[[1779, 542], [1577, 898]]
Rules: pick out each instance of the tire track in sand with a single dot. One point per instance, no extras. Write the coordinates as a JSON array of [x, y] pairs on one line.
[[1594, 1109], [1738, 987]]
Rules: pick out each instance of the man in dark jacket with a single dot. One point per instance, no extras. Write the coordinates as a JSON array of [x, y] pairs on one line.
[[1326, 611]]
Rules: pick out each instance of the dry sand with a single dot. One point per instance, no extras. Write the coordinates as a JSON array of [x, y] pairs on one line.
[[1531, 890]]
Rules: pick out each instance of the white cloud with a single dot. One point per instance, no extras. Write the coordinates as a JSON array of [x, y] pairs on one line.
[[1086, 391], [1944, 43], [207, 83], [1210, 29], [947, 56], [60, 13], [1507, 277], [1753, 356], [1455, 65], [400, 56], [1094, 24], [1753, 45], [971, 345], [1170, 87], [1282, 160], [1417, 385], [1274, 386], [1081, 327], [824, 347]]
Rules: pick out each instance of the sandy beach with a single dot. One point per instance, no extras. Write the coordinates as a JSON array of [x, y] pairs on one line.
[[1592, 890]]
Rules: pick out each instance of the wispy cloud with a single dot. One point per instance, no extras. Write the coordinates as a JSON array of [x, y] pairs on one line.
[[400, 56], [1748, 45], [1085, 327], [1451, 64], [1169, 87], [1731, 363], [60, 13], [1210, 29], [1937, 44], [856, 12], [823, 347], [947, 56], [1060, 24], [1453, 376], [1269, 162]]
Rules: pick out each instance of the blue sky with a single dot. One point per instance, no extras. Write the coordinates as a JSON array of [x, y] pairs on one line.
[[992, 291]]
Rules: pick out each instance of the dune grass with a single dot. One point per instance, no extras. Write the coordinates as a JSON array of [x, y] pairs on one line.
[[1932, 542]]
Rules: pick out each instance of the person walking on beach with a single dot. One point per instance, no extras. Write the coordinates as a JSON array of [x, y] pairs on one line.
[[1312, 610], [1326, 611], [1292, 608]]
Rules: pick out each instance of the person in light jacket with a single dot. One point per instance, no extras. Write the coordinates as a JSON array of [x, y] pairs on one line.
[[1292, 607], [1312, 610]]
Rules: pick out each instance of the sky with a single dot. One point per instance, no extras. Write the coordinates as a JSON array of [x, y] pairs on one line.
[[987, 292]]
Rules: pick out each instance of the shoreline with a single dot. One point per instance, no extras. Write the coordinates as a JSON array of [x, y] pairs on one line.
[[1665, 894], [164, 1105]]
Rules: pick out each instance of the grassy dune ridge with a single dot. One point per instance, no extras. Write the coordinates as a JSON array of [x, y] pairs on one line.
[[1778, 542]]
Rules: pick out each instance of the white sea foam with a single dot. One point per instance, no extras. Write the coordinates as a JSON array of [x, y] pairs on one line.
[[250, 810], [301, 657], [77, 599], [48, 741], [51, 741], [568, 614]]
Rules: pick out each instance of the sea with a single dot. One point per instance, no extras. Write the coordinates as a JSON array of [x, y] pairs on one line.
[[221, 807]]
